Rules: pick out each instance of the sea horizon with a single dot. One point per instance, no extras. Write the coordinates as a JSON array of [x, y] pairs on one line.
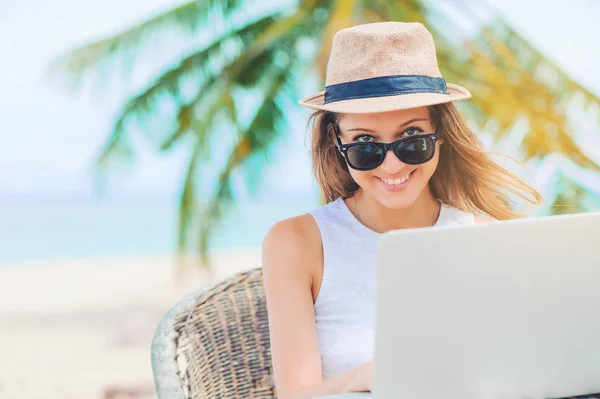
[[51, 228]]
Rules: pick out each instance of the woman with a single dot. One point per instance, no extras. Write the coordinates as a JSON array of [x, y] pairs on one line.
[[390, 151]]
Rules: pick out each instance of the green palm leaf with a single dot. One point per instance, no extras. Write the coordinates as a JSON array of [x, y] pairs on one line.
[[188, 201], [190, 17], [260, 133], [255, 140], [341, 16], [170, 83], [277, 31]]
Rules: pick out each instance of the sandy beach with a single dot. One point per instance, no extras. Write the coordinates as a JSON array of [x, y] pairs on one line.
[[77, 328]]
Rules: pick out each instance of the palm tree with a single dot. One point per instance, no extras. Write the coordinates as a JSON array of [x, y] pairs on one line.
[[267, 55]]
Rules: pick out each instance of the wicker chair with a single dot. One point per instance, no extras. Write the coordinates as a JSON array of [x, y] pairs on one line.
[[215, 343]]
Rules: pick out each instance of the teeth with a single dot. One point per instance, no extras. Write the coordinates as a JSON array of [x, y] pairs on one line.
[[397, 181]]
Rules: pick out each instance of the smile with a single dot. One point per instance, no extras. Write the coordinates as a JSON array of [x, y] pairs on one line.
[[397, 181]]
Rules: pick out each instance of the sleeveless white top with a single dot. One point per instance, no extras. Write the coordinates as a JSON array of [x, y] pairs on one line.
[[345, 306]]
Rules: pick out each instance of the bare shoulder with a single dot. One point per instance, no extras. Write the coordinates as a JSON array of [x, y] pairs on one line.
[[295, 240], [292, 234], [484, 219]]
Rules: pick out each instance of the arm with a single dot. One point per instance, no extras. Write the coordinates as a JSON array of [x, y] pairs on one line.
[[292, 252]]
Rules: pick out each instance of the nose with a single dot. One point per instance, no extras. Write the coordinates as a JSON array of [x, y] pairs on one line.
[[391, 164]]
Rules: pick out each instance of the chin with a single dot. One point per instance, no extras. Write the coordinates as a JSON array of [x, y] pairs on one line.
[[399, 197], [397, 200]]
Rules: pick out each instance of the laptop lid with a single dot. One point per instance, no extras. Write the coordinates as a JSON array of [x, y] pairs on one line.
[[496, 310]]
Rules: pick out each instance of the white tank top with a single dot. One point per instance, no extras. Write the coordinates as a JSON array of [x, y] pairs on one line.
[[345, 306]]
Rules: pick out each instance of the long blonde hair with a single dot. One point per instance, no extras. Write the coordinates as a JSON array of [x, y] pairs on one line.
[[466, 177]]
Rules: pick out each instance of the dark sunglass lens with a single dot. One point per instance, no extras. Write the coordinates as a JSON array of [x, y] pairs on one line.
[[415, 150], [365, 156]]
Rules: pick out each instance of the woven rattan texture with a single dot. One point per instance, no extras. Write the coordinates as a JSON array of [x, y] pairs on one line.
[[223, 348]]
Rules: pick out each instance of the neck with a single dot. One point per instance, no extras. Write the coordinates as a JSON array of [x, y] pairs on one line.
[[374, 215]]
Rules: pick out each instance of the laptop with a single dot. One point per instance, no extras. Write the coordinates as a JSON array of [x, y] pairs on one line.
[[504, 310]]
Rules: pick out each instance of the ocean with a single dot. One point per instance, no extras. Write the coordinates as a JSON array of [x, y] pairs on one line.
[[51, 231]]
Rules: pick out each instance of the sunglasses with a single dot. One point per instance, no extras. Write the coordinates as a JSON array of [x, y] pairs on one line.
[[413, 150]]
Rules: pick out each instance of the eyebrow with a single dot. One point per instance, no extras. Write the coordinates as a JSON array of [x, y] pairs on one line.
[[399, 127]]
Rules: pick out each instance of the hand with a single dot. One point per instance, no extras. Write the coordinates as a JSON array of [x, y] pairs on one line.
[[363, 377]]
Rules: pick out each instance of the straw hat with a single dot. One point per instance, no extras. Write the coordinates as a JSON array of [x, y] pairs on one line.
[[382, 67]]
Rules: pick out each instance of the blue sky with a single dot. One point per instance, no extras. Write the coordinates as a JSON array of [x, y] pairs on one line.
[[49, 136]]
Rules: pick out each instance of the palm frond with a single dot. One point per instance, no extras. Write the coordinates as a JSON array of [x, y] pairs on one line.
[[198, 115], [506, 89], [277, 31], [190, 17], [200, 65], [188, 202], [570, 199], [189, 205], [383, 10], [511, 83], [531, 58], [340, 16], [256, 139]]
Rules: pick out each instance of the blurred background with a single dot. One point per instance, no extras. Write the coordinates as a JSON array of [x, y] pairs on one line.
[[136, 130]]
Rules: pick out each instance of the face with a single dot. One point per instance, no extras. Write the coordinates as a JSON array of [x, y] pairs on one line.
[[394, 184]]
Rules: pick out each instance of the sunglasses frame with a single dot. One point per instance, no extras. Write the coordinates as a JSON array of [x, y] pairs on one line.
[[343, 148]]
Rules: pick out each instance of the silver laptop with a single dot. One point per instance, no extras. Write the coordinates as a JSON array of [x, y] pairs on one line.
[[506, 310]]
